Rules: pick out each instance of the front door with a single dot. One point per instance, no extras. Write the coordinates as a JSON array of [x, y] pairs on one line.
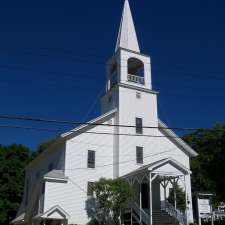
[[145, 195], [156, 195]]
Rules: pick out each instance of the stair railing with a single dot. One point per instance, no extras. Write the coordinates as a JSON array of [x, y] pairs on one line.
[[143, 216], [177, 214]]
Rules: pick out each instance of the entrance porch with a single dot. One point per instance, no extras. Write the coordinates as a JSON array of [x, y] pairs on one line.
[[152, 184], [54, 216]]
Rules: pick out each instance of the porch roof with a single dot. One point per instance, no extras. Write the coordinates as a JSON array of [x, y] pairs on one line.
[[56, 175], [56, 212], [152, 167], [19, 219]]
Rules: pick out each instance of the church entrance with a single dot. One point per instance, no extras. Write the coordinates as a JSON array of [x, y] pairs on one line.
[[145, 195]]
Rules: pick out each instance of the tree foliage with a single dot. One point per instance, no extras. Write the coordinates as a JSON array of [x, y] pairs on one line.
[[43, 146], [208, 168], [13, 159], [112, 196], [180, 197]]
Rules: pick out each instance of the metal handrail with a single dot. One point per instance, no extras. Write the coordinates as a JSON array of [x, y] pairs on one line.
[[142, 214], [136, 79], [177, 214]]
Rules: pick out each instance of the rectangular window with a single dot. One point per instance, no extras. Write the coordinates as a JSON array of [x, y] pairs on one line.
[[90, 188], [91, 159], [139, 155], [139, 128]]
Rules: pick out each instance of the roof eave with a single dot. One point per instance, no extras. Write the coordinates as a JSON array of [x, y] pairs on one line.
[[171, 135]]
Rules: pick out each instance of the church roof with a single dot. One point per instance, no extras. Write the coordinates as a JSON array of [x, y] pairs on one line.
[[56, 175], [157, 164], [176, 140], [56, 212], [72, 133], [19, 219], [89, 125], [127, 37]]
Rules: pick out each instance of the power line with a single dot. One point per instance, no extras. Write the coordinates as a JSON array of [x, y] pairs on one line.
[[24, 118], [123, 162], [88, 132]]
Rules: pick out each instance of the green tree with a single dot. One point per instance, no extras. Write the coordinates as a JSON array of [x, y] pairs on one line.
[[208, 168], [112, 197], [180, 197], [13, 159], [43, 146]]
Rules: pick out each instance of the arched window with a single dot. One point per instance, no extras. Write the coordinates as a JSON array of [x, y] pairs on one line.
[[135, 71], [113, 75]]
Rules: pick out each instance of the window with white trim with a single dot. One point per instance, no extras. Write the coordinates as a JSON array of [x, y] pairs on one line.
[[139, 155], [90, 188], [139, 126], [91, 159]]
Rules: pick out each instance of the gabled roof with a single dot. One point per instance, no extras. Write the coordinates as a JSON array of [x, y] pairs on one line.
[[78, 130], [56, 212], [176, 140], [90, 124], [19, 219], [127, 37], [157, 164], [56, 175]]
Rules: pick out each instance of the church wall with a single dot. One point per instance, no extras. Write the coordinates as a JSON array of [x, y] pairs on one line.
[[36, 171], [72, 196], [155, 148]]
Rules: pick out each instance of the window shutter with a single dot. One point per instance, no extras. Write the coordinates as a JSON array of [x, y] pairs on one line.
[[139, 155], [91, 159], [90, 188], [139, 128]]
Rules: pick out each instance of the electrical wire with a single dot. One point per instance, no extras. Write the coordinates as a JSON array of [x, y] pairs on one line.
[[25, 118]]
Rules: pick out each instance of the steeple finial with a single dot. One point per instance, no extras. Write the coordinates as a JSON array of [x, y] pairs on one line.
[[127, 37]]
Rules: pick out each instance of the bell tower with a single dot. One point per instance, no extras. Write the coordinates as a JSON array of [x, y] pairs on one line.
[[128, 67], [129, 89]]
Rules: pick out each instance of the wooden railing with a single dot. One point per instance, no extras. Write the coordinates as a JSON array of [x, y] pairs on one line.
[[143, 216], [136, 79], [177, 214]]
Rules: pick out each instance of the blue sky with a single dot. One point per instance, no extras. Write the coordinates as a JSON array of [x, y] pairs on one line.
[[53, 53]]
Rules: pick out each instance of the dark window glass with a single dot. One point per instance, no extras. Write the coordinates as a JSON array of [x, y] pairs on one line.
[[139, 128], [145, 195], [139, 154], [90, 188], [91, 159]]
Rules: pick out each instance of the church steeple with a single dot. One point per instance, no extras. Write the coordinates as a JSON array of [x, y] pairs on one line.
[[127, 37]]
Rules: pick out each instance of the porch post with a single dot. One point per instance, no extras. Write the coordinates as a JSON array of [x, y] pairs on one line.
[[150, 197], [186, 201], [175, 195], [164, 187], [140, 193]]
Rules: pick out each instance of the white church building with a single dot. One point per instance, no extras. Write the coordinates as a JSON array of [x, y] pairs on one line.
[[127, 140]]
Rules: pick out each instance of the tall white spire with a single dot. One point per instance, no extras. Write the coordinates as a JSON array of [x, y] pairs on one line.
[[127, 37]]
